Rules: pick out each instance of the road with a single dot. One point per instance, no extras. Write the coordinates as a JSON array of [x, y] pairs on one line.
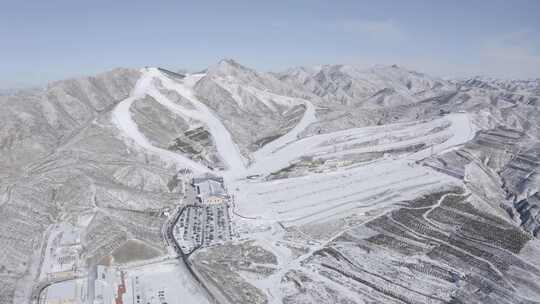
[[169, 239]]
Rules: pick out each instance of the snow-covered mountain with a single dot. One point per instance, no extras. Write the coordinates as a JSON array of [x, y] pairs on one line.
[[531, 86], [35, 122], [255, 107], [380, 86], [348, 185]]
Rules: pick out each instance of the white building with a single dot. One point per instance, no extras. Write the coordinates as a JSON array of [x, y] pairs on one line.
[[210, 190], [104, 285]]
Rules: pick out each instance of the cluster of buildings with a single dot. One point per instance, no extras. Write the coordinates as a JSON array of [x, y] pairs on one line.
[[206, 221], [210, 190], [106, 289], [202, 222], [62, 256]]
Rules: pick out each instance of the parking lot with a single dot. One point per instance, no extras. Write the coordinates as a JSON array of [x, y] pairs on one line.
[[206, 219], [202, 225]]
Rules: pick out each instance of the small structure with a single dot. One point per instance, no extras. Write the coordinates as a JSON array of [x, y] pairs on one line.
[[171, 73], [104, 291], [210, 189], [216, 199], [206, 177], [62, 256]]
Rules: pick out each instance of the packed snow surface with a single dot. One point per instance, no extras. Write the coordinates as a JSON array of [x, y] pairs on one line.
[[224, 143], [304, 199], [123, 120], [165, 282], [318, 196]]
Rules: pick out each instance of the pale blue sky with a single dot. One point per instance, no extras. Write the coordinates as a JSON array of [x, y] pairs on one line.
[[56, 39]]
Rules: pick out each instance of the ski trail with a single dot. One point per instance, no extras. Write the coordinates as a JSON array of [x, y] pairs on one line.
[[226, 147], [273, 156], [461, 129], [307, 119], [121, 117]]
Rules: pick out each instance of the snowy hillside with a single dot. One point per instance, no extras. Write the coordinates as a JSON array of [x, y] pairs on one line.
[[334, 185], [376, 87], [255, 107]]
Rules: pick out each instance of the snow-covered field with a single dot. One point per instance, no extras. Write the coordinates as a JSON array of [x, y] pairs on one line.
[[72, 291], [382, 182], [165, 282], [301, 200]]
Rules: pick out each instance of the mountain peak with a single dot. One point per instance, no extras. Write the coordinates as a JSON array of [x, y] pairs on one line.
[[228, 66], [230, 63]]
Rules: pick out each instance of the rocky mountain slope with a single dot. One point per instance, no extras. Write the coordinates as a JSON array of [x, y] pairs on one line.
[[351, 185], [381, 86], [256, 107]]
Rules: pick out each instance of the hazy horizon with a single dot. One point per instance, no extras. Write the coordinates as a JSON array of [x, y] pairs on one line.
[[61, 39]]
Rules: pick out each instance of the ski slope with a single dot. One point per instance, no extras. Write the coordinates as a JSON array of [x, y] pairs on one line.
[[374, 185], [459, 131], [121, 117], [307, 119], [226, 148], [293, 201]]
